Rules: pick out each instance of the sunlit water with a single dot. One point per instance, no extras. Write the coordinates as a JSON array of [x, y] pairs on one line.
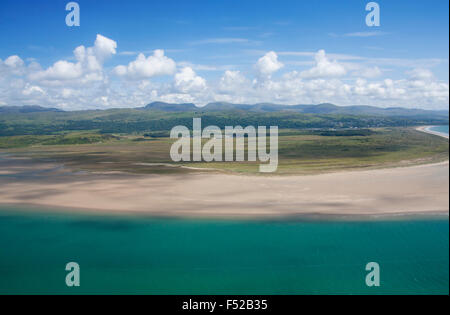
[[441, 129], [170, 256]]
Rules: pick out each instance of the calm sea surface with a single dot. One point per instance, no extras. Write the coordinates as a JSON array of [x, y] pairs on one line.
[[171, 256], [442, 129]]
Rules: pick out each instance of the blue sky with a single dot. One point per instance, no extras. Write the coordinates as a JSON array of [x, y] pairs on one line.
[[410, 49]]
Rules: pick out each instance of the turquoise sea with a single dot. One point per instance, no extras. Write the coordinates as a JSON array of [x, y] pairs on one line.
[[441, 129], [124, 255]]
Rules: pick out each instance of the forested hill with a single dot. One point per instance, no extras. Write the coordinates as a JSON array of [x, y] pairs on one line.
[[326, 108], [160, 116]]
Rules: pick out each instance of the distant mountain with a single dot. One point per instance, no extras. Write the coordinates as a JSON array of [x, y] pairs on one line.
[[159, 116], [222, 106], [27, 109], [365, 110], [168, 107], [325, 108], [320, 109]]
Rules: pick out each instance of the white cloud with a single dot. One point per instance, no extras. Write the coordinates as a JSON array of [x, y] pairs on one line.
[[154, 65], [14, 61], [368, 61], [420, 74], [67, 93], [178, 98], [32, 89], [188, 81], [87, 68], [268, 64], [61, 70], [371, 72], [295, 88], [13, 65], [232, 81], [82, 82], [103, 47], [324, 67], [202, 67]]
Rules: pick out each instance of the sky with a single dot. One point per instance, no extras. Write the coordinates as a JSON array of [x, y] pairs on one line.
[[131, 53]]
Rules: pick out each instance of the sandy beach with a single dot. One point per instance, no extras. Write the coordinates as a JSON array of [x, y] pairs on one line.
[[418, 189], [403, 190]]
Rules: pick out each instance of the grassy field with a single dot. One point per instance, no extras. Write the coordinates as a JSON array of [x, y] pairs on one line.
[[300, 152]]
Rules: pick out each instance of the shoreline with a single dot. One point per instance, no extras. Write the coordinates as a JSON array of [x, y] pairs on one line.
[[387, 193], [426, 129], [30, 209], [367, 194]]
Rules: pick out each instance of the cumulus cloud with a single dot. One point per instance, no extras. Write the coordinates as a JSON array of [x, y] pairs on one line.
[[154, 65], [83, 82], [268, 64], [232, 80], [13, 65], [87, 68], [61, 70], [186, 80], [103, 48], [14, 61], [324, 67], [372, 72], [67, 93], [32, 89], [294, 88], [420, 74]]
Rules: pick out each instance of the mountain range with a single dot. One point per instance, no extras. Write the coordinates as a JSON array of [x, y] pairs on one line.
[[324, 108]]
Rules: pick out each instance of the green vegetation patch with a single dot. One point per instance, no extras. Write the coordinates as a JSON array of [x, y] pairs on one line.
[[300, 151], [70, 138]]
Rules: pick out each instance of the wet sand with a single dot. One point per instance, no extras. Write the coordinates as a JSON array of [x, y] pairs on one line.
[[420, 189]]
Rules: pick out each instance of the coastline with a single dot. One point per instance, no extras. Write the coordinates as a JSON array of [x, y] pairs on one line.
[[426, 129], [53, 211], [395, 192]]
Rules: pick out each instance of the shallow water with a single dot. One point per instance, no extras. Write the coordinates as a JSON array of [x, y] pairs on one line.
[[441, 129], [169, 256]]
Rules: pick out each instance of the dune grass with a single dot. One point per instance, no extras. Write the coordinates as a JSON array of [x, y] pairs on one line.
[[300, 151]]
